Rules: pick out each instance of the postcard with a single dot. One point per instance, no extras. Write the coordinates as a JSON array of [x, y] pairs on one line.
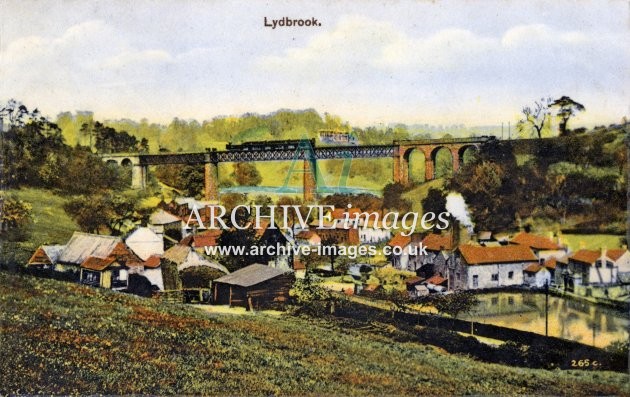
[[314, 198]]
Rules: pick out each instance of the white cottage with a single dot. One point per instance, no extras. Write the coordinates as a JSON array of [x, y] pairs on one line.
[[144, 242], [536, 276], [478, 267]]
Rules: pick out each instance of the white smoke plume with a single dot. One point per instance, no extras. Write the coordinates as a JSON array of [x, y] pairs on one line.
[[456, 206]]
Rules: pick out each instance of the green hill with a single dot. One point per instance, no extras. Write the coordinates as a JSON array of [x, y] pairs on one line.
[[64, 338]]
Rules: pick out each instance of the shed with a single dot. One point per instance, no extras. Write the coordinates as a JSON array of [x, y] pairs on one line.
[[253, 287]]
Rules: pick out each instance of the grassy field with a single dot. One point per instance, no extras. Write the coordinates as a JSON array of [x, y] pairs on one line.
[[592, 241], [63, 338], [51, 225]]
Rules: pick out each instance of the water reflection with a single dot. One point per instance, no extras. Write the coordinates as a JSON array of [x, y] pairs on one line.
[[568, 319]]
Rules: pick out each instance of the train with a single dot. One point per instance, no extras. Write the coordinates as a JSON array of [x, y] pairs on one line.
[[290, 144]]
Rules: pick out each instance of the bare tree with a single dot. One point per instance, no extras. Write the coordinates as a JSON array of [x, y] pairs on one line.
[[535, 118]]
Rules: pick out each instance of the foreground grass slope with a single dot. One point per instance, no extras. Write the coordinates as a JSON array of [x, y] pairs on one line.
[[64, 338]]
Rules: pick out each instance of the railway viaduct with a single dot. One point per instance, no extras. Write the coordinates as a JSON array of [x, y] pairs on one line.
[[305, 150]]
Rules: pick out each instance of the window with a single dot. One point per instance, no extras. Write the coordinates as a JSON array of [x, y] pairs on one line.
[[510, 300], [495, 277], [510, 275], [475, 281], [495, 300]]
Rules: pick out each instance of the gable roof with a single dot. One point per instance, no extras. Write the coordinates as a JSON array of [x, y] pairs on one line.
[[479, 255], [615, 254], [251, 275], [184, 257], [533, 268], [161, 217], [586, 256], [152, 262], [399, 241], [551, 263], [46, 255], [83, 245], [438, 242], [143, 235], [534, 241], [208, 238]]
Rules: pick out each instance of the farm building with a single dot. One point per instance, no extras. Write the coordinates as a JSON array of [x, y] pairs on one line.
[[253, 287]]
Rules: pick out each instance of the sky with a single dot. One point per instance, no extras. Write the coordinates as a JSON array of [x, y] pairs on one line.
[[434, 62]]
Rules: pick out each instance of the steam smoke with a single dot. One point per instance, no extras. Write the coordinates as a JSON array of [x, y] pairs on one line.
[[457, 207]]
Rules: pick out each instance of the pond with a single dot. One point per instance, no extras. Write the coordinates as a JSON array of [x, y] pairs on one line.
[[575, 320]]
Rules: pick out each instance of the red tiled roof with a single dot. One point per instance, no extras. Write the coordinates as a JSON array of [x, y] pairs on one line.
[[399, 241], [533, 268], [436, 280], [551, 263], [202, 240], [586, 256], [152, 262], [98, 264], [438, 242], [615, 254], [478, 255], [535, 242]]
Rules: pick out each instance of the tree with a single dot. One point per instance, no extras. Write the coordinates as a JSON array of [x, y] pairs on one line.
[[14, 213], [312, 298], [246, 174], [567, 107], [455, 303], [329, 247], [392, 197], [535, 118], [96, 212], [435, 201]]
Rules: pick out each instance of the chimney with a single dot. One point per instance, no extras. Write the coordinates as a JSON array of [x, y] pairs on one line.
[[604, 250], [455, 230], [582, 244]]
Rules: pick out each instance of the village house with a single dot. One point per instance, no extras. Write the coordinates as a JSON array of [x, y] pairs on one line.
[[253, 287], [45, 257], [102, 261], [308, 237], [537, 276], [368, 224], [595, 267], [82, 246], [336, 232], [144, 242], [478, 267], [439, 254], [282, 243], [543, 247], [207, 238], [401, 261], [166, 225]]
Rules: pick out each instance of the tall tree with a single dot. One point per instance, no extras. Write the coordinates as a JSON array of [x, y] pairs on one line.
[[567, 108]]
